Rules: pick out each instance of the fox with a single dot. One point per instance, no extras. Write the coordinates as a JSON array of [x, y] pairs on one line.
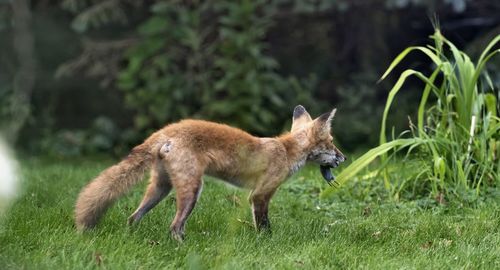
[[181, 153]]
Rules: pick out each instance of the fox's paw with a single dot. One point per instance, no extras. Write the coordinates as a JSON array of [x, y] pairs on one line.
[[265, 230], [262, 224], [177, 236], [133, 219]]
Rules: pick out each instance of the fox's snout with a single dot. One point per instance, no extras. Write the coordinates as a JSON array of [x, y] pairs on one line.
[[340, 157], [337, 159], [331, 158]]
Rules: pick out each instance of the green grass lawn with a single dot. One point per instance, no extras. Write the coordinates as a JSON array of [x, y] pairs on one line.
[[343, 232]]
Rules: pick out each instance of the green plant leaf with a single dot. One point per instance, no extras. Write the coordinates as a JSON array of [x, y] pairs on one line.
[[362, 162], [403, 54]]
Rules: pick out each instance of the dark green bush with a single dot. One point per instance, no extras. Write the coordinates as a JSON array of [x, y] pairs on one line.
[[208, 60]]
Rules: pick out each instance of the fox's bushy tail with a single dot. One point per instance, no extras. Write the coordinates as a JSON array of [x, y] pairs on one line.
[[98, 195]]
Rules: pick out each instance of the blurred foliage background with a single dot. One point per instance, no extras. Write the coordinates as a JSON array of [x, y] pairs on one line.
[[88, 76]]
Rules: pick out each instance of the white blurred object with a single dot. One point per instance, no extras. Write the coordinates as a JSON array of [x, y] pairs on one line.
[[8, 176]]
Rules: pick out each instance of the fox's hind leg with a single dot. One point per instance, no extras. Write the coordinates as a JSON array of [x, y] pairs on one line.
[[185, 170], [158, 188], [188, 190]]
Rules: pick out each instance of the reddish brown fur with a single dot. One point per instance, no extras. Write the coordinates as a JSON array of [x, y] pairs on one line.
[[183, 152]]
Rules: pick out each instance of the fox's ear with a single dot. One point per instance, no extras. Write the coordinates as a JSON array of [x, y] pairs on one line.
[[300, 117], [327, 117], [324, 121]]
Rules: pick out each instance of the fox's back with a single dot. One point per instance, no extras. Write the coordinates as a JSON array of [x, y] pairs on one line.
[[205, 135], [226, 152]]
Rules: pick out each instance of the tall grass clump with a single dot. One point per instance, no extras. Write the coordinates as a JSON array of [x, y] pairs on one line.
[[456, 139]]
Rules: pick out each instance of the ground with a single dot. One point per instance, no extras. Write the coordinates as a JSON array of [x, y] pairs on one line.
[[307, 232]]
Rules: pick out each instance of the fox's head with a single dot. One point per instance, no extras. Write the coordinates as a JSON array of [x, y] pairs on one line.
[[315, 137]]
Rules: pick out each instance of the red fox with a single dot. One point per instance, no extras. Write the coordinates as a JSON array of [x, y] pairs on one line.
[[181, 153]]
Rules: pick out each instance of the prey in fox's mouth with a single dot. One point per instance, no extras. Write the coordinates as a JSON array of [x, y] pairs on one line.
[[328, 160], [327, 173]]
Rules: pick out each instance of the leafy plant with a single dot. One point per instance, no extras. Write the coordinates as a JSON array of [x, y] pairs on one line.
[[457, 136], [208, 59], [100, 137], [94, 14]]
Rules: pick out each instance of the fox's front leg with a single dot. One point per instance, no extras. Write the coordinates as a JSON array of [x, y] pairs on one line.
[[265, 188], [260, 198], [260, 205]]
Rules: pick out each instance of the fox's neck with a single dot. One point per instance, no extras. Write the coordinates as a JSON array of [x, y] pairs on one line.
[[296, 153]]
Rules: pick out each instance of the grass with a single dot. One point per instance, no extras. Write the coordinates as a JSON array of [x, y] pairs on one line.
[[349, 230]]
